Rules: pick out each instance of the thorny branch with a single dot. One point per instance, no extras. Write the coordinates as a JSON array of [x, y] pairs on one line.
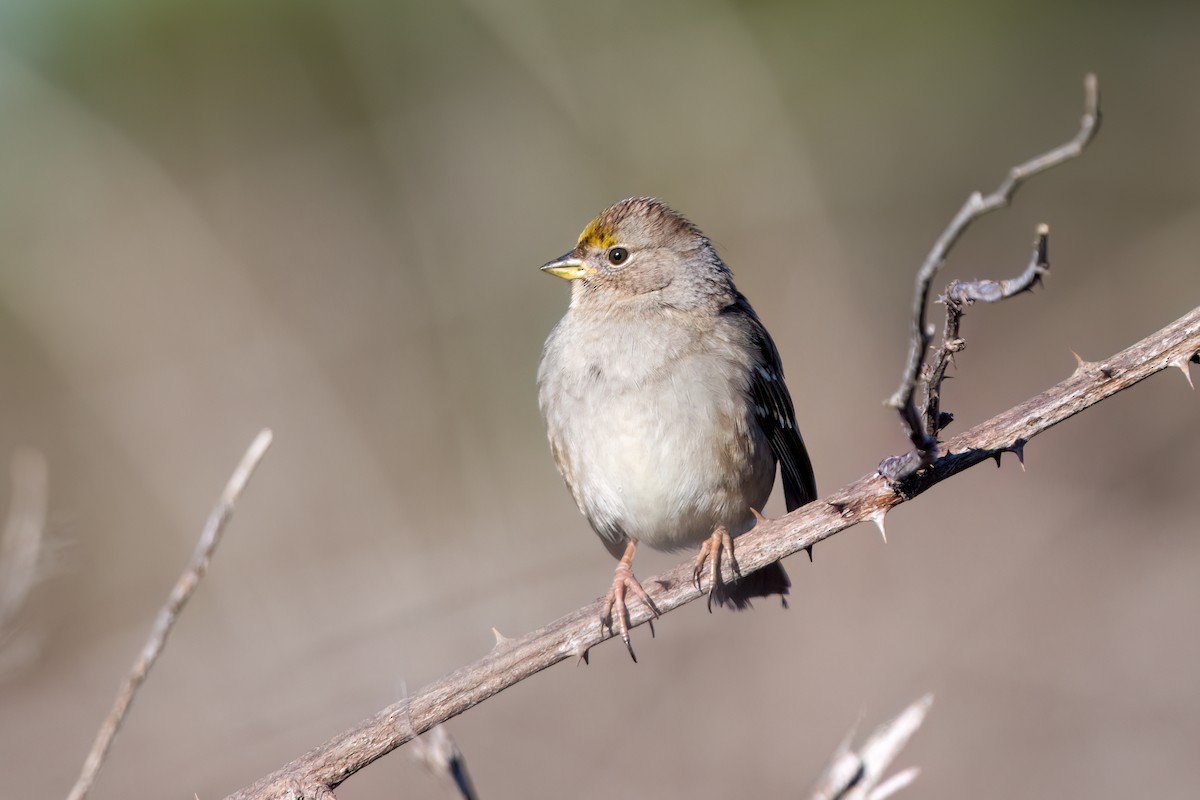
[[169, 613], [922, 434], [868, 499]]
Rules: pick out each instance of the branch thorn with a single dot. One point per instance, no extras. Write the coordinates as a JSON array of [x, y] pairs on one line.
[[1181, 364], [878, 518], [1083, 366], [501, 639], [1018, 448]]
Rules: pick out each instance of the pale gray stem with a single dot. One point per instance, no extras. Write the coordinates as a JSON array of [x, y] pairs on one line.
[[169, 613]]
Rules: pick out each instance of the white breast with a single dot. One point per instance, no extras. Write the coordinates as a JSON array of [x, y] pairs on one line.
[[661, 446]]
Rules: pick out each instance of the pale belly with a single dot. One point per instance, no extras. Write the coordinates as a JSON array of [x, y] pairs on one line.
[[657, 460]]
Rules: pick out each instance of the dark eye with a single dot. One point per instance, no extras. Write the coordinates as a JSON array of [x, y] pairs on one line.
[[617, 255]]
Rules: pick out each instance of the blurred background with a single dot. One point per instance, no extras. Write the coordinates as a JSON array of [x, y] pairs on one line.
[[327, 218]]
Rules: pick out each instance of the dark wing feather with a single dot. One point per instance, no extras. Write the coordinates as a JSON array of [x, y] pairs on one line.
[[774, 412]]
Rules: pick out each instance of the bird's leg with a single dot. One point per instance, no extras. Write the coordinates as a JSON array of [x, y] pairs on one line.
[[614, 601], [711, 551]]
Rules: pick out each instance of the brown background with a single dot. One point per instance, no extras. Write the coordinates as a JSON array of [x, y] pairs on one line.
[[327, 218]]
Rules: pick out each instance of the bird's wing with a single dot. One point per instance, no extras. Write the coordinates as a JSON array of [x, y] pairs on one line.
[[774, 412]]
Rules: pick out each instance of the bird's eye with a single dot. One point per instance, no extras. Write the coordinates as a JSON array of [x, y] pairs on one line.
[[617, 255]]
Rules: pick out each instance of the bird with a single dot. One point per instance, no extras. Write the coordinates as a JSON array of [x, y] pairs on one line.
[[665, 404]]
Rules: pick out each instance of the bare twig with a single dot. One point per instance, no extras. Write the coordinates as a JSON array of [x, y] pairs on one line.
[[169, 613], [925, 440], [869, 498], [859, 775], [959, 295]]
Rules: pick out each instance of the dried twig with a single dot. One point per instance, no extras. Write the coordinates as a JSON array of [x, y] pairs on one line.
[[869, 498], [858, 775], [169, 613], [924, 439], [959, 295]]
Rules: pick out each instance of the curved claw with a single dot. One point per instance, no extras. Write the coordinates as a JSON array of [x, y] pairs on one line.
[[711, 551], [698, 564], [615, 608]]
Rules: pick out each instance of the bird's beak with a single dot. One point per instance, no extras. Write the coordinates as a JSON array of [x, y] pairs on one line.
[[568, 266]]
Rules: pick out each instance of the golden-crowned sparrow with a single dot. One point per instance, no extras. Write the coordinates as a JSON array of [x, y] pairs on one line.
[[664, 401]]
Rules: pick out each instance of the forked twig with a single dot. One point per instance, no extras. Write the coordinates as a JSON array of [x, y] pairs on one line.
[[923, 438], [959, 295]]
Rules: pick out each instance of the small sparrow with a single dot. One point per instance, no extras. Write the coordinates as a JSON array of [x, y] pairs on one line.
[[664, 402]]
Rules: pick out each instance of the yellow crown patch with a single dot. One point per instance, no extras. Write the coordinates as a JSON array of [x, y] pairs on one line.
[[599, 234]]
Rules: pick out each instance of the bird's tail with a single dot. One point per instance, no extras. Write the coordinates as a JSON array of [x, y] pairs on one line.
[[771, 579]]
